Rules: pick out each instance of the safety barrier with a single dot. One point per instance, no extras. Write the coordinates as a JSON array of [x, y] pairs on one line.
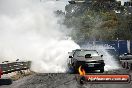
[[10, 67]]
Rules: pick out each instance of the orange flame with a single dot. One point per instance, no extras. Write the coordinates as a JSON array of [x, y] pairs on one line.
[[81, 71]]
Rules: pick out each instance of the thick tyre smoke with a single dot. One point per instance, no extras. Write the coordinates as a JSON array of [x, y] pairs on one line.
[[29, 30]]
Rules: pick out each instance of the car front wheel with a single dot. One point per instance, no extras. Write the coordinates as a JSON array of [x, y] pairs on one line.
[[102, 70]]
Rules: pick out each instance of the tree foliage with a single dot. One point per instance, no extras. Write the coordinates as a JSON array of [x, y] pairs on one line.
[[95, 22]]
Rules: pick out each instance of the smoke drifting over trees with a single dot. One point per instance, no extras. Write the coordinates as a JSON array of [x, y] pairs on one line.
[[99, 20]]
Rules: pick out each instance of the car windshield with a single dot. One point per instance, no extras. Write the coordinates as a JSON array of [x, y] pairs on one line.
[[84, 52]]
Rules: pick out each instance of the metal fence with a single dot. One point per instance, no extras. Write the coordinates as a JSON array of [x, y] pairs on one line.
[[10, 67], [119, 45]]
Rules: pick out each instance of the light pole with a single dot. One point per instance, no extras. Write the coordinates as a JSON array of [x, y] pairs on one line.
[[118, 46]]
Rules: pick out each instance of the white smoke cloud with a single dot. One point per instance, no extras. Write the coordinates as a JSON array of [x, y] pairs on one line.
[[29, 30]]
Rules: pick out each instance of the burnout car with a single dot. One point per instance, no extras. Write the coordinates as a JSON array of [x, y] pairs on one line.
[[89, 60], [126, 61]]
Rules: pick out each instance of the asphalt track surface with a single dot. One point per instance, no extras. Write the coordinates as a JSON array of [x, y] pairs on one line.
[[62, 80]]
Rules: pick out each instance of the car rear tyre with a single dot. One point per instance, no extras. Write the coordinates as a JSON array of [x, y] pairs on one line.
[[82, 80], [123, 64], [102, 70], [129, 66]]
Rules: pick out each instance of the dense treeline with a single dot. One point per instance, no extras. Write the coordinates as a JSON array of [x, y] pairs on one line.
[[99, 21]]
